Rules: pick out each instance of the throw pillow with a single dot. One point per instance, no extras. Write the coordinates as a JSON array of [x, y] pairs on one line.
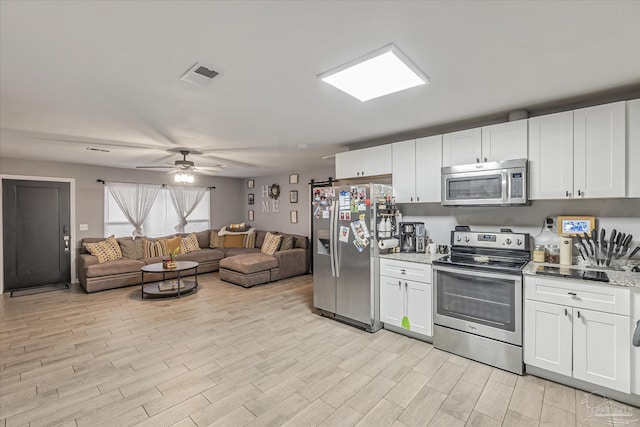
[[287, 243], [214, 240], [189, 244], [105, 250], [153, 249], [132, 249], [173, 244], [233, 241], [271, 243], [249, 240]]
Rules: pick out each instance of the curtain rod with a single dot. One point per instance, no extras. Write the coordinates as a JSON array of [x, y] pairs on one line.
[[102, 181]]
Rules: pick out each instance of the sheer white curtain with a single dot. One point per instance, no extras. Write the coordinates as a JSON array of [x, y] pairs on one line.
[[135, 200], [185, 200]]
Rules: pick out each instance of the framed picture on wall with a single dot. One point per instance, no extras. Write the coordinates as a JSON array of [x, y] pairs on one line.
[[250, 215], [293, 217], [293, 178], [251, 199], [251, 183], [293, 196]]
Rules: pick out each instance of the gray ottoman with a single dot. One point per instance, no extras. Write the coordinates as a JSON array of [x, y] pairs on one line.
[[248, 270]]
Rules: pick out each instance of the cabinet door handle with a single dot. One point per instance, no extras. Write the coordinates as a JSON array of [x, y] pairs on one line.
[[477, 159], [485, 159], [566, 193], [406, 285], [566, 313], [580, 193], [403, 271], [573, 294], [399, 284], [362, 173], [417, 199], [411, 198], [578, 314]]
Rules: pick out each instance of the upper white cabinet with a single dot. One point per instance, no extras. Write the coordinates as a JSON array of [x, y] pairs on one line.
[[365, 162], [599, 151], [578, 154], [633, 148], [551, 156], [416, 170], [503, 141]]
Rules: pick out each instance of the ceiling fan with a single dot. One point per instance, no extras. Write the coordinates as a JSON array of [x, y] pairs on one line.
[[184, 169]]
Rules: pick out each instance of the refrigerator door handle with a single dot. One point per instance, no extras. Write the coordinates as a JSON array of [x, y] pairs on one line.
[[336, 242], [332, 240]]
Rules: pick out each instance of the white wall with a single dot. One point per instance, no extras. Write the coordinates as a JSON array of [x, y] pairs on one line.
[[279, 221], [621, 214]]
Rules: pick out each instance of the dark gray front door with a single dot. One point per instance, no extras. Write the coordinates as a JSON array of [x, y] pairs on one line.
[[36, 230]]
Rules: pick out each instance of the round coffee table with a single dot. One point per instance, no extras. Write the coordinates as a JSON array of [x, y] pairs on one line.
[[173, 288]]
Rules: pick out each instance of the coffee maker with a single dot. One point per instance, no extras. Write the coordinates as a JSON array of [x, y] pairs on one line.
[[408, 236], [421, 237]]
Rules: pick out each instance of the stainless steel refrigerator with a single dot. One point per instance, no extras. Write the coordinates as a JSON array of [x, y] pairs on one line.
[[345, 253]]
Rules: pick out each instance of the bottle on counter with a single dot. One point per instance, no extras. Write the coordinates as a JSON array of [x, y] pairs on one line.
[[552, 255], [539, 253], [566, 256], [548, 238]]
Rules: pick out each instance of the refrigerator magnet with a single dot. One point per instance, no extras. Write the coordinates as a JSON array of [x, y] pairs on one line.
[[325, 214], [344, 234]]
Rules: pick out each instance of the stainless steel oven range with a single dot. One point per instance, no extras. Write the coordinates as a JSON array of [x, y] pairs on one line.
[[478, 297]]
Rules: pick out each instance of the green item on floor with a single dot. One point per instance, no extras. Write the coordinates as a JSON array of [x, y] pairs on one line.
[[405, 323]]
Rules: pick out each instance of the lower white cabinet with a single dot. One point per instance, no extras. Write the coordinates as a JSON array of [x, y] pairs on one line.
[[575, 341], [406, 291]]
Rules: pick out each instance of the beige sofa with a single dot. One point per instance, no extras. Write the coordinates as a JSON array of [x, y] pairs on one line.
[[95, 276]]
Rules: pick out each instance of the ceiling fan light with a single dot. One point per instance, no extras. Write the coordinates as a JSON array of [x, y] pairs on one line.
[[184, 177]]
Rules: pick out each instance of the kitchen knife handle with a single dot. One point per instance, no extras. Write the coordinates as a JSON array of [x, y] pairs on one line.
[[635, 251]]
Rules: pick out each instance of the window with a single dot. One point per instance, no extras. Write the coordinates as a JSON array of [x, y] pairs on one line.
[[161, 220]]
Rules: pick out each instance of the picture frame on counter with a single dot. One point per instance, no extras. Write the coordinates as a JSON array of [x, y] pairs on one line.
[[293, 196], [573, 225]]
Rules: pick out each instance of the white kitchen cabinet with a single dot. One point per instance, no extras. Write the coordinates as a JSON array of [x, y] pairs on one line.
[[502, 141], [578, 330], [578, 154], [551, 156], [462, 147], [633, 148], [599, 167], [365, 162], [416, 170], [405, 290]]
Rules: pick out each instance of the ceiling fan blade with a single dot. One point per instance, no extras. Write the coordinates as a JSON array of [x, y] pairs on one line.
[[205, 172], [173, 171], [230, 162], [209, 168], [155, 167]]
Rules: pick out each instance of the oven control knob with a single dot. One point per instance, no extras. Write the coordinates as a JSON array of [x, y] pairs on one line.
[[466, 239], [518, 242], [458, 238], [507, 241]]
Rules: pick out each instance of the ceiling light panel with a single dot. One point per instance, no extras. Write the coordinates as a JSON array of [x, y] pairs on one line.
[[379, 73]]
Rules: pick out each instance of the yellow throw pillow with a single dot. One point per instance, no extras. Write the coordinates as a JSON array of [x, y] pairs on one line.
[[105, 250], [189, 244], [271, 243], [233, 241], [155, 249], [173, 244]]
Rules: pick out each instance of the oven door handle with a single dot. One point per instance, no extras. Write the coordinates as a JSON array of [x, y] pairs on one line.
[[478, 273]]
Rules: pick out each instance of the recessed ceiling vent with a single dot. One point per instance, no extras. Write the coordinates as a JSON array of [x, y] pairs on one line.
[[199, 74]]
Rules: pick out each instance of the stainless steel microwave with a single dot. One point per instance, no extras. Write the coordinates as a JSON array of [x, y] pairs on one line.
[[485, 184]]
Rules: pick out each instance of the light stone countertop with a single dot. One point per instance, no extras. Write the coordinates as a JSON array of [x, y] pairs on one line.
[[619, 273], [413, 257]]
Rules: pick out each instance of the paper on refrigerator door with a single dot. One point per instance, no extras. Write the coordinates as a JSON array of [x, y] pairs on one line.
[[344, 234]]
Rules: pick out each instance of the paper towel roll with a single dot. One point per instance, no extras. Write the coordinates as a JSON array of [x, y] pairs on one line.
[[388, 243]]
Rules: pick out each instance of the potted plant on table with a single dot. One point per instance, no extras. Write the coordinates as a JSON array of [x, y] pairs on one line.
[[170, 262]]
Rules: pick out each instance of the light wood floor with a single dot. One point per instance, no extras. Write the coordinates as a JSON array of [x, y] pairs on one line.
[[231, 356]]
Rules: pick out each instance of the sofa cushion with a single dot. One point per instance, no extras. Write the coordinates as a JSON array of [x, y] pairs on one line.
[[203, 238], [189, 244], [287, 242], [233, 241], [215, 240], [119, 266], [105, 250], [271, 243], [132, 249], [153, 249], [249, 263], [249, 240], [260, 235], [241, 251], [202, 255], [173, 244]]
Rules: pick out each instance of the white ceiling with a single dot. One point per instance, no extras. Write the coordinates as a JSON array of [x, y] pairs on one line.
[[107, 74]]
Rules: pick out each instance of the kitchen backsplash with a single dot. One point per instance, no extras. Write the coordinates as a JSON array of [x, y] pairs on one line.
[[621, 214]]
